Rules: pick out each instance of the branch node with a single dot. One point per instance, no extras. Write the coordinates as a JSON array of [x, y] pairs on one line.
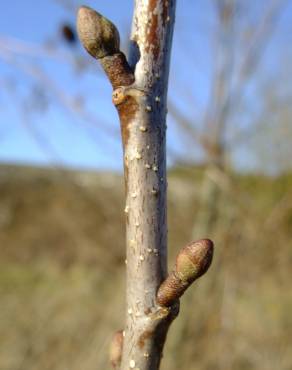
[[191, 263], [121, 93]]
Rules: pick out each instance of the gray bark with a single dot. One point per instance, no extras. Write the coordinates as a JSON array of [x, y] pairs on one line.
[[145, 165]]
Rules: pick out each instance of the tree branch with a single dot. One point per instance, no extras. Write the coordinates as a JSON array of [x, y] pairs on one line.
[[140, 95]]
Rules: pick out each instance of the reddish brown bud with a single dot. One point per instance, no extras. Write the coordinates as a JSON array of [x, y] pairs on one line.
[[116, 348], [191, 263], [170, 290], [194, 260]]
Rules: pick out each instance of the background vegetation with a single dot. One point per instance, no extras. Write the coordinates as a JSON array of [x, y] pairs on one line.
[[62, 272]]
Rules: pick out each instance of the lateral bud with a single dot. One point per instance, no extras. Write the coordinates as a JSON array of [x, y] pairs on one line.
[[101, 40], [116, 348], [98, 35], [191, 263]]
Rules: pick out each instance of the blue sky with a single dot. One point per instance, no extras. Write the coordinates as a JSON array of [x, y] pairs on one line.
[[58, 136]]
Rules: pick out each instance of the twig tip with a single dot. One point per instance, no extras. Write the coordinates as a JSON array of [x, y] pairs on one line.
[[98, 35]]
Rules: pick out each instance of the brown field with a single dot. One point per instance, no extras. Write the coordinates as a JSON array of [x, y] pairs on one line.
[[62, 272]]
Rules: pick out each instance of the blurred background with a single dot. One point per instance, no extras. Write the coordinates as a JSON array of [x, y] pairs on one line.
[[230, 178]]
